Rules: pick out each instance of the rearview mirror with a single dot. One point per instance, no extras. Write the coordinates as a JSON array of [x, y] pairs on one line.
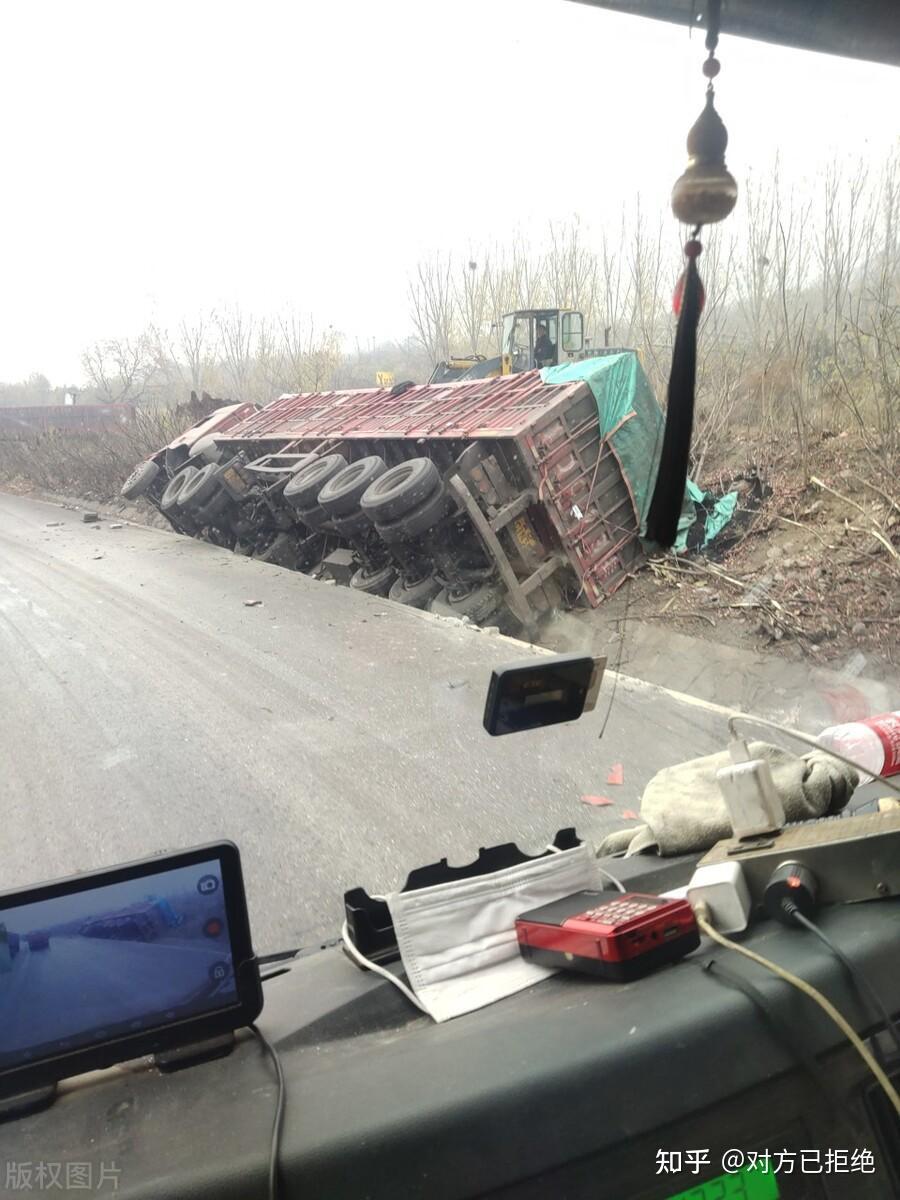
[[542, 691]]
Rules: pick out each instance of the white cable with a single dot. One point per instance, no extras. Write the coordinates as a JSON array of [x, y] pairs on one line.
[[368, 965], [613, 879], [807, 988], [810, 741]]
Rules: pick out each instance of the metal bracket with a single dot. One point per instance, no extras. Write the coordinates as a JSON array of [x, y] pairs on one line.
[[510, 511], [516, 599]]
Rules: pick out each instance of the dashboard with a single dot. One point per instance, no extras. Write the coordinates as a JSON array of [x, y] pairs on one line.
[[574, 1088]]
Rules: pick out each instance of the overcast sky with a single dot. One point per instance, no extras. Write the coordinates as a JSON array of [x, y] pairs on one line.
[[161, 157]]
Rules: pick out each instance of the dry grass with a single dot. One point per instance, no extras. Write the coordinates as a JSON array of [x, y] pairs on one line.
[[94, 464]]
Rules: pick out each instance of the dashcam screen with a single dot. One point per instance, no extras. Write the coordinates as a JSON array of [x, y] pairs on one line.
[[119, 959]]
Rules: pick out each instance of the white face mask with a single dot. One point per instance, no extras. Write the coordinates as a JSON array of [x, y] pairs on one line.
[[458, 940]]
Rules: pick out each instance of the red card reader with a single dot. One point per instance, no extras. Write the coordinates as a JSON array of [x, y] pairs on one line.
[[618, 937]]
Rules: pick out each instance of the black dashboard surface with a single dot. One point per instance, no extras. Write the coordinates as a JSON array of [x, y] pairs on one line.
[[383, 1103]]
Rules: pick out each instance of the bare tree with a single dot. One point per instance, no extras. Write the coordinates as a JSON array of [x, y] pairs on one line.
[[195, 341], [310, 357], [472, 304], [432, 307], [571, 274], [119, 368], [236, 333]]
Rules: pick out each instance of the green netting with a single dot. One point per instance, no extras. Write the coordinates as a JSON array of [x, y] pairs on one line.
[[632, 421]]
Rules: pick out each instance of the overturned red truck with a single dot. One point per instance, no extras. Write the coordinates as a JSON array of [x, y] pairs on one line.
[[518, 494]]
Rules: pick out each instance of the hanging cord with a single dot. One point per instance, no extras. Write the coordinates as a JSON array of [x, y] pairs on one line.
[[705, 193], [278, 1122], [668, 494]]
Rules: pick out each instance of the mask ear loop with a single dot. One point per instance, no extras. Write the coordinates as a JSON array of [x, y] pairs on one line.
[[368, 965]]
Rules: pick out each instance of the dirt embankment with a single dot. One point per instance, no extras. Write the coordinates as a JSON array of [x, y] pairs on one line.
[[814, 571]]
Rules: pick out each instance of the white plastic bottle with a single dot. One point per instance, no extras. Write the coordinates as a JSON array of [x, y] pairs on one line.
[[873, 743]]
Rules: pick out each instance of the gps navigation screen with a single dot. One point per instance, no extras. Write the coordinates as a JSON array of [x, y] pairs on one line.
[[119, 959]]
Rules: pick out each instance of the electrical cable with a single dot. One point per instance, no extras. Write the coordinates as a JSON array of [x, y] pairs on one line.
[[278, 1122], [825, 1004], [856, 974], [809, 741], [368, 965], [612, 879], [780, 1029]]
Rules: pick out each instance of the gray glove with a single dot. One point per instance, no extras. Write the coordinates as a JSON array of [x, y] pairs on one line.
[[684, 810]]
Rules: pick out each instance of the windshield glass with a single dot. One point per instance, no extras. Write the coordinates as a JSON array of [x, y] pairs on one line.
[[215, 302]]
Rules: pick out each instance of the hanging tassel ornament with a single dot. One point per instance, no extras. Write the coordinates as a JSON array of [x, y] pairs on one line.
[[705, 193]]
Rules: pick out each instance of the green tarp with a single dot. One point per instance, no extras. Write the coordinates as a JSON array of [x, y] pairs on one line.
[[632, 421]]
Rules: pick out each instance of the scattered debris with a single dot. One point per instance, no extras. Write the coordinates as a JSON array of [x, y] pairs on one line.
[[96, 556], [54, 524], [616, 774], [628, 814], [596, 801], [117, 525], [458, 684], [90, 517], [252, 603]]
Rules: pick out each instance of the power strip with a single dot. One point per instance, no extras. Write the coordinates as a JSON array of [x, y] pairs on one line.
[[857, 858]]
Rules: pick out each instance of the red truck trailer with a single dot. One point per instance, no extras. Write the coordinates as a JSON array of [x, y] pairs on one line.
[[536, 484]]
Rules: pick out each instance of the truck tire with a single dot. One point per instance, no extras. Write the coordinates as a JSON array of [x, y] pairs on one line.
[[342, 493], [302, 490], [212, 509], [376, 583], [416, 595], [355, 525], [314, 518], [391, 533], [477, 605], [138, 482], [200, 488], [173, 491], [400, 490], [281, 551], [426, 515], [206, 448]]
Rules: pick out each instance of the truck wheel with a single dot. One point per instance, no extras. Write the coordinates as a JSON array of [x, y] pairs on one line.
[[342, 493], [139, 481], [206, 448], [211, 509], [477, 605], [415, 595], [427, 514], [356, 525], [281, 551], [391, 533], [376, 583], [173, 491], [400, 489], [200, 488], [314, 518], [302, 490]]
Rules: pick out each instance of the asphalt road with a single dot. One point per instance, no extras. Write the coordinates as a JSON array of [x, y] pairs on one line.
[[77, 985], [335, 737]]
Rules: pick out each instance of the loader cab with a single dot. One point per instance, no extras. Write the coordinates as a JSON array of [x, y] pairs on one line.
[[539, 337]]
